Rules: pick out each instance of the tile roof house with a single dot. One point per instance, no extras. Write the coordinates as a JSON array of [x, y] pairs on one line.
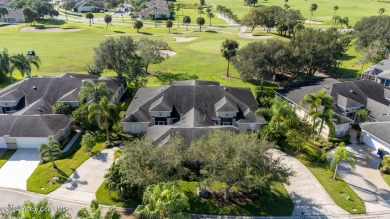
[[348, 97], [379, 73], [155, 9], [191, 108], [13, 16], [26, 116], [88, 6]]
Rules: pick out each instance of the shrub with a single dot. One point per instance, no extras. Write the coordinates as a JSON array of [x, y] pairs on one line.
[[385, 164], [89, 141], [344, 139], [62, 108]]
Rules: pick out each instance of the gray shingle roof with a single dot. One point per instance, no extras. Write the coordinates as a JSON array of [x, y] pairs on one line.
[[366, 93], [32, 125], [188, 95], [380, 129], [161, 134], [48, 90]]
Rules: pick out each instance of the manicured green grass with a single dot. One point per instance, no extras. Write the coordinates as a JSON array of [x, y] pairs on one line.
[[43, 174], [353, 9], [4, 158], [386, 177], [277, 203], [338, 190]]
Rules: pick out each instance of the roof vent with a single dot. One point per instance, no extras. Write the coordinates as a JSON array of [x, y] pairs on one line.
[[34, 87], [224, 88], [326, 87], [352, 92]]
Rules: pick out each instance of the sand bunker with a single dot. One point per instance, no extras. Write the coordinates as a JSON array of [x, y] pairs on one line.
[[54, 29], [250, 36], [168, 52], [184, 39], [313, 22]]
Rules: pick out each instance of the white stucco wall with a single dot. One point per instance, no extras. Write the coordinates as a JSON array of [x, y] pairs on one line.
[[374, 142], [226, 114], [160, 113], [248, 126], [26, 142], [2, 143]]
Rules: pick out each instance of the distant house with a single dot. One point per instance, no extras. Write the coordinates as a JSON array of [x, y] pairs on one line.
[[26, 116], [86, 6], [155, 9], [13, 16], [191, 108], [379, 73], [348, 97]]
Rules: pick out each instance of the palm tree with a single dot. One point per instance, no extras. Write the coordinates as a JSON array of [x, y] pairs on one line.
[[335, 8], [23, 63], [282, 114], [161, 201], [342, 154], [107, 20], [6, 64], [313, 7], [89, 16], [381, 11], [210, 15], [315, 101], [104, 113], [200, 21], [169, 25], [93, 91], [95, 212], [154, 15], [362, 115], [187, 20], [42, 210], [47, 152], [229, 50]]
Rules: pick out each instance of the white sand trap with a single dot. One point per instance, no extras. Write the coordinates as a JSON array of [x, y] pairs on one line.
[[54, 29], [169, 53], [9, 26], [184, 39], [313, 22], [250, 36]]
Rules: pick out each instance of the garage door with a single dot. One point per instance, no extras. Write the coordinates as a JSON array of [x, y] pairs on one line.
[[2, 143], [30, 142], [374, 142]]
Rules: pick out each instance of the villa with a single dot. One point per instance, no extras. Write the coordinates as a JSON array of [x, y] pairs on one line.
[[379, 73], [191, 108], [155, 9]]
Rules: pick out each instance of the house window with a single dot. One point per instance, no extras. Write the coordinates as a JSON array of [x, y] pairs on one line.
[[161, 122], [226, 123]]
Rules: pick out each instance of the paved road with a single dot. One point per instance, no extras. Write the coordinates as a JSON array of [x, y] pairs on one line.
[[18, 168], [86, 179], [307, 193]]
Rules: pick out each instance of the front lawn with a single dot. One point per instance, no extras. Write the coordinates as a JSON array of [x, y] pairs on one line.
[[4, 158], [338, 190], [277, 202], [40, 179], [386, 177]]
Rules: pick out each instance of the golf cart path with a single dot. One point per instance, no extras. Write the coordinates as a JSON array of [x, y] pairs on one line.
[[306, 192], [86, 179]]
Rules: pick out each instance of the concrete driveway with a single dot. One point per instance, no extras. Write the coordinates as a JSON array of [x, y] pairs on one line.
[[307, 193], [18, 168], [86, 179], [366, 180]]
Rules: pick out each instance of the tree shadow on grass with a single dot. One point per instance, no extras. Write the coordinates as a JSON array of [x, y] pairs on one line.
[[145, 33], [117, 31], [167, 77], [211, 31], [51, 21]]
